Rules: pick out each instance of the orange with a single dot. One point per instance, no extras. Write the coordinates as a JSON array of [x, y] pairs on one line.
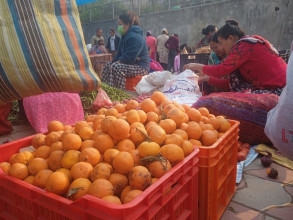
[[78, 188], [131, 195], [181, 133], [54, 160], [71, 142], [112, 199], [135, 156], [119, 182], [125, 145], [150, 125], [120, 108], [67, 172], [68, 128], [57, 183], [194, 115], [41, 178], [215, 122], [207, 127], [195, 142], [157, 134], [224, 124], [165, 103], [136, 125], [52, 138], [112, 112], [159, 168], [55, 126], [131, 104], [142, 116], [187, 147], [138, 135], [101, 171], [152, 116], [168, 107], [183, 126], [123, 162], [91, 118], [5, 166], [204, 111], [139, 178], [176, 115], [148, 105], [158, 97], [186, 107], [208, 137], [90, 155], [109, 155], [96, 134], [124, 192], [132, 116], [186, 118], [43, 151], [81, 170], [173, 153], [23, 157], [70, 158], [174, 139], [104, 142], [194, 131], [29, 180], [36, 165], [101, 188], [19, 171], [205, 119], [168, 125], [79, 125], [154, 180], [119, 129], [38, 140], [86, 144], [148, 149], [86, 133], [56, 146], [101, 111]]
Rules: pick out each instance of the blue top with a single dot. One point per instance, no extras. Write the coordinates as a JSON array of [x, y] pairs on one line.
[[214, 59], [133, 49]]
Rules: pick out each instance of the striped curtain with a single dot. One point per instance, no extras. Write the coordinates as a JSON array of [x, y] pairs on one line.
[[42, 49]]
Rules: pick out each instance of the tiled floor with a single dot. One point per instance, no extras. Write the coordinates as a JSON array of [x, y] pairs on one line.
[[257, 197]]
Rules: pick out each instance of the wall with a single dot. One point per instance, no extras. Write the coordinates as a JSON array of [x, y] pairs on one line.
[[271, 19]]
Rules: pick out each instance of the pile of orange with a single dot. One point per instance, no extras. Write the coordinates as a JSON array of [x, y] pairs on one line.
[[118, 152]]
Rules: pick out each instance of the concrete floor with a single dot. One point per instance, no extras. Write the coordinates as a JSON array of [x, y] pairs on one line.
[[257, 197]]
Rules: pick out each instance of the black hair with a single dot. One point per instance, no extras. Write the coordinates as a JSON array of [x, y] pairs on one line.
[[208, 29], [148, 34], [129, 18], [112, 30], [176, 35], [232, 22], [98, 29], [183, 45], [229, 29], [214, 37]]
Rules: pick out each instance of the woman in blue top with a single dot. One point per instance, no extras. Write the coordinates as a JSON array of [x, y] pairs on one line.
[[132, 58]]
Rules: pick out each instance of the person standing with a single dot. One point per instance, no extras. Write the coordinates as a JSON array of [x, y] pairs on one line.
[[152, 44], [207, 32], [161, 49], [113, 42], [172, 44], [98, 36]]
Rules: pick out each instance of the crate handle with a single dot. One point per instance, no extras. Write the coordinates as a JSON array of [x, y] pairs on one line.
[[191, 57]]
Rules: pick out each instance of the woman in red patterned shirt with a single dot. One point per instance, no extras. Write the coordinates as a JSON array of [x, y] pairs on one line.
[[253, 64]]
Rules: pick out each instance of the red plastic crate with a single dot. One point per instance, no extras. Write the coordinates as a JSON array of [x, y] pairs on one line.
[[132, 82], [173, 196], [217, 174]]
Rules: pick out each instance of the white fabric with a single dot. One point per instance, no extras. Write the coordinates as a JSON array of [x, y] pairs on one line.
[[279, 125], [112, 43]]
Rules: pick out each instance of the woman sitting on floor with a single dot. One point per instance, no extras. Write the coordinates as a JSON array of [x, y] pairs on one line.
[[132, 58], [261, 70]]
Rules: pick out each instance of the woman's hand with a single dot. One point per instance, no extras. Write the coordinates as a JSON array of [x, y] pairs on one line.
[[203, 78], [194, 67]]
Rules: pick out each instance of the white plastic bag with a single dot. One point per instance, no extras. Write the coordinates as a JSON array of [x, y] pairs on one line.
[[279, 125], [145, 87], [183, 88]]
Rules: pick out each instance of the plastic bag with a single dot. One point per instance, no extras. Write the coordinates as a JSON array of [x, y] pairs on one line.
[[183, 88], [279, 125], [102, 100]]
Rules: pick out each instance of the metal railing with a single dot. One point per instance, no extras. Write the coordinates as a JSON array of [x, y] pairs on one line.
[[111, 9]]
